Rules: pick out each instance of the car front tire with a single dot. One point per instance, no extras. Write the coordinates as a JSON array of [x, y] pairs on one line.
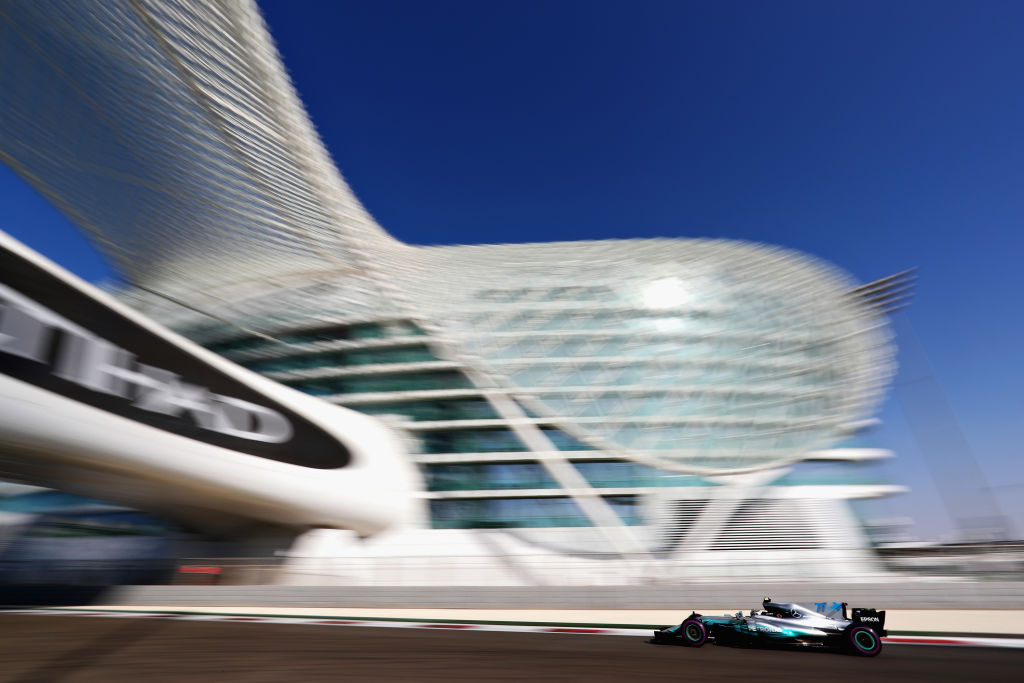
[[693, 632]]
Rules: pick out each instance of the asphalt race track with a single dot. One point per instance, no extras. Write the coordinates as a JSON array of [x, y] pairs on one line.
[[77, 649]]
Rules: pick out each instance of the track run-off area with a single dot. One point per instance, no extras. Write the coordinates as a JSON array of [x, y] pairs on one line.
[[61, 645]]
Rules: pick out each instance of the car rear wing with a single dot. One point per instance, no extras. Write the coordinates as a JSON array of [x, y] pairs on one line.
[[873, 618]]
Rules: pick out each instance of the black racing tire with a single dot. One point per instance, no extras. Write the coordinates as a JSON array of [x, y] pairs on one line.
[[863, 641], [693, 633]]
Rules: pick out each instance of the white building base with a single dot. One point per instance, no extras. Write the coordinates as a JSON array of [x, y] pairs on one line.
[[457, 557]]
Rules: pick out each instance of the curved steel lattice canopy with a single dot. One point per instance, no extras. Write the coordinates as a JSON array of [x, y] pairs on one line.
[[170, 131]]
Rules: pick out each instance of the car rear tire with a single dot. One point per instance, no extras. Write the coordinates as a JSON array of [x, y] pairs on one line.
[[863, 641], [693, 633]]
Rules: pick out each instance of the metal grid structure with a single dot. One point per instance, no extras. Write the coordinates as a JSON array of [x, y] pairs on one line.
[[170, 132], [536, 380]]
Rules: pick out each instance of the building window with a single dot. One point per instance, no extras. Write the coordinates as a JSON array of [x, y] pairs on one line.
[[489, 513]]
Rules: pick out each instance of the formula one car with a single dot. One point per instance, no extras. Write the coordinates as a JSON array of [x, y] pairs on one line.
[[784, 623]]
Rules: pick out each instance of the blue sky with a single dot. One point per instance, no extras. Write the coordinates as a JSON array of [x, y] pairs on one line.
[[876, 135]]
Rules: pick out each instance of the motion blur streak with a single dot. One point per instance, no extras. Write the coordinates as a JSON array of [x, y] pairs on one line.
[[637, 410], [116, 649]]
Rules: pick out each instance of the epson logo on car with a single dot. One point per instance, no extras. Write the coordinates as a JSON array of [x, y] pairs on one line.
[[70, 352], [863, 618]]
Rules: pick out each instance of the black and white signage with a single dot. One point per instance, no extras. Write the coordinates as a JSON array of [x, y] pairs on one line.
[[59, 338]]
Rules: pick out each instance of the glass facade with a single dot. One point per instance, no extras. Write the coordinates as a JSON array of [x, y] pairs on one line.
[[472, 441], [494, 440], [656, 356], [330, 333], [310, 361], [599, 474], [373, 383], [831, 474], [485, 513], [676, 362], [434, 411]]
